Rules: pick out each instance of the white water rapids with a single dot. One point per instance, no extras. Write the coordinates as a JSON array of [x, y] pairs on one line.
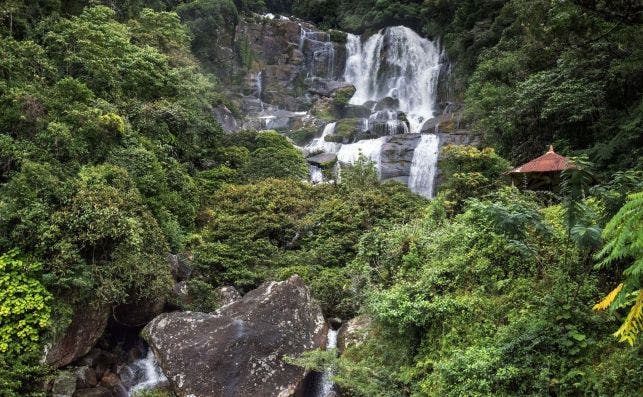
[[320, 144], [371, 149], [326, 384], [143, 374]]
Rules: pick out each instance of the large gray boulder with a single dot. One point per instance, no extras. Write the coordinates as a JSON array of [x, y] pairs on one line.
[[239, 350], [81, 335], [225, 118]]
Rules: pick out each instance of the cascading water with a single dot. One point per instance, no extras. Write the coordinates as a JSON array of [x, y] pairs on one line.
[[316, 174], [395, 73], [386, 122], [143, 374], [320, 144], [424, 165], [395, 62], [259, 88], [326, 383], [369, 148]]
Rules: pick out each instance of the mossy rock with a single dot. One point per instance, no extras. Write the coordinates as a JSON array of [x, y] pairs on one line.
[[447, 126], [358, 111], [324, 110], [342, 96], [346, 131], [338, 36], [303, 135], [388, 103]]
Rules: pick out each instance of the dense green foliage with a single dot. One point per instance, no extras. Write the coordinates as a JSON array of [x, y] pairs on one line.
[[108, 154], [24, 319], [275, 228], [110, 159], [469, 172], [493, 301], [624, 233]]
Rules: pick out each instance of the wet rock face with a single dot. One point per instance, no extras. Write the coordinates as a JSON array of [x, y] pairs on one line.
[[276, 56], [238, 350], [326, 87], [397, 156]]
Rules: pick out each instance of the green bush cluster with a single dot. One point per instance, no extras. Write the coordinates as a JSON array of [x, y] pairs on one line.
[[469, 172], [489, 302], [273, 228]]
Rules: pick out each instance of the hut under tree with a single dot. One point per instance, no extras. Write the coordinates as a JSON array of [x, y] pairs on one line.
[[541, 173]]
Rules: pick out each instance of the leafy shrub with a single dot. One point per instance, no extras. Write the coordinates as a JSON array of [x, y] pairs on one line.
[[469, 172], [24, 318]]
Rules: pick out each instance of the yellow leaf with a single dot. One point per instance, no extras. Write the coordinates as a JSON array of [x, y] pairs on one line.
[[633, 323], [604, 304]]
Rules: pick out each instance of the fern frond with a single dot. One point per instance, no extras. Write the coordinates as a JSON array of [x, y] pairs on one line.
[[609, 298], [633, 324]]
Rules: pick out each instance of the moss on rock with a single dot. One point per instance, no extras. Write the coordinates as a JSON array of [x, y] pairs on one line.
[[323, 109], [345, 131], [303, 135], [338, 36]]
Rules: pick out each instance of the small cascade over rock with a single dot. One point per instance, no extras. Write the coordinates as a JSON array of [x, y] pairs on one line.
[[387, 122], [316, 174], [319, 53], [320, 144], [424, 165], [369, 148], [326, 384], [143, 374]]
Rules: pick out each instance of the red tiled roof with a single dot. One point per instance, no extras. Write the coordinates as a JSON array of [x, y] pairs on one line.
[[548, 162]]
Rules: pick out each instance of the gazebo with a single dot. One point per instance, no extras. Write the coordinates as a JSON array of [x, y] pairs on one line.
[[541, 173]]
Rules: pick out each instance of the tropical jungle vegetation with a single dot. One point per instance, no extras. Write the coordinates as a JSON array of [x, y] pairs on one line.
[[110, 159]]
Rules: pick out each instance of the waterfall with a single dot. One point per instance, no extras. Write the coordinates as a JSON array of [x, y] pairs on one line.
[[259, 88], [326, 384], [259, 84], [369, 148], [320, 144], [143, 374], [395, 62], [316, 174], [424, 165]]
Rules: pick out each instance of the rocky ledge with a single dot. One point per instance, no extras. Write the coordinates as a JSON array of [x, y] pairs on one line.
[[239, 350]]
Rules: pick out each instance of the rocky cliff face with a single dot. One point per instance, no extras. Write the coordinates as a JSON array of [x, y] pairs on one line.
[[239, 350]]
